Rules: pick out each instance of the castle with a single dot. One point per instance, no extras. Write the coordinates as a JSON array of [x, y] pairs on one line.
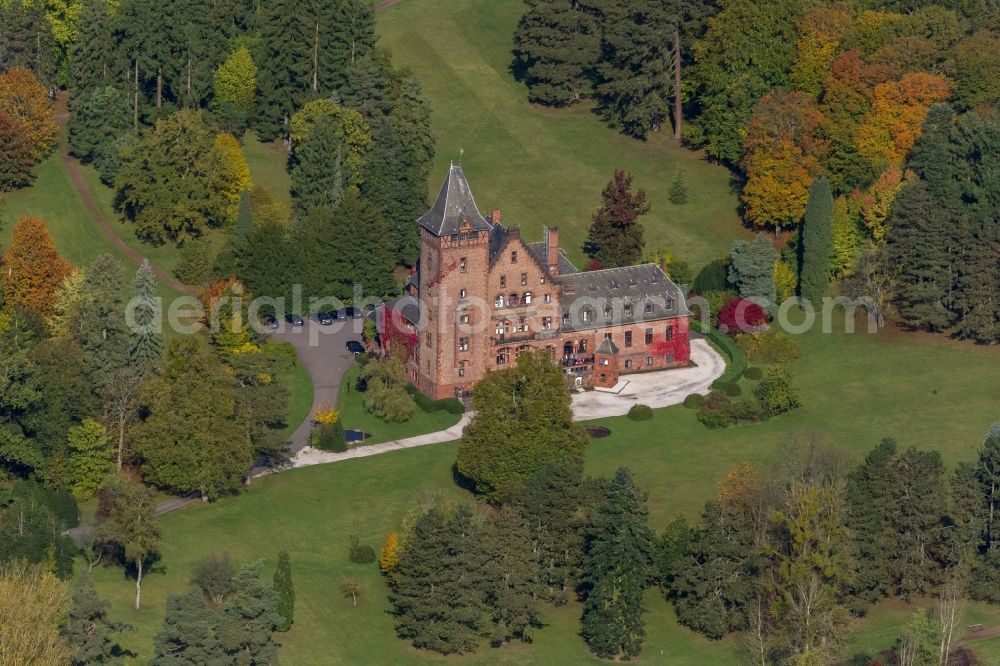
[[481, 295]]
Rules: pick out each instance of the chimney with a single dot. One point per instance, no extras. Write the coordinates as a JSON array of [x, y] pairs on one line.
[[552, 245], [495, 216], [514, 232]]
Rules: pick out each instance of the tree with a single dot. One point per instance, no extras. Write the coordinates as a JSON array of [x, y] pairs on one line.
[[171, 183], [617, 567], [751, 269], [318, 176], [235, 83], [351, 588], [88, 630], [775, 393], [191, 439], [26, 40], [232, 173], [90, 457], [671, 548], [919, 502], [616, 236], [555, 43], [26, 102], [510, 574], [817, 242], [33, 268], [102, 331], [741, 315], [285, 589], [99, 117], [146, 333], [820, 33], [93, 60], [130, 524], [189, 633], [247, 620], [16, 160], [214, 575], [522, 424], [388, 558], [678, 190], [33, 605], [977, 70]]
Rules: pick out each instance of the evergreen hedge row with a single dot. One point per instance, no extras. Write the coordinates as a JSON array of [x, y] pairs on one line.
[[450, 405]]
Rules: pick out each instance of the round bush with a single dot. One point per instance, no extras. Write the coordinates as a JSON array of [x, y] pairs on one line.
[[753, 373], [361, 553], [640, 412], [694, 401], [733, 389], [330, 437]]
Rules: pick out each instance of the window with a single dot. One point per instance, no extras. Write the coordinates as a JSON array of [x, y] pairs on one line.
[[502, 327], [524, 278], [461, 293], [463, 344], [527, 298], [513, 257], [670, 304], [503, 281], [427, 339], [670, 333], [502, 356], [649, 307], [670, 358], [587, 314], [628, 363], [546, 323], [649, 360], [513, 300], [499, 302], [548, 298], [628, 338], [463, 319], [522, 325], [566, 319], [604, 361], [649, 336], [607, 336], [607, 312], [461, 265], [461, 369], [541, 279], [628, 309], [582, 347]]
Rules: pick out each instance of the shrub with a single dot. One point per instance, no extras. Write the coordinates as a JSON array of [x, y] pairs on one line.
[[768, 347], [775, 393], [711, 278], [640, 412], [753, 373], [361, 553], [714, 300], [694, 401], [732, 389], [741, 314], [330, 437], [390, 403], [194, 262], [214, 576], [450, 405]]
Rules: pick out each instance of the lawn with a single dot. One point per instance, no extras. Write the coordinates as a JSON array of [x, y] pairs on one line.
[[300, 396], [267, 168], [354, 416], [855, 389], [542, 166]]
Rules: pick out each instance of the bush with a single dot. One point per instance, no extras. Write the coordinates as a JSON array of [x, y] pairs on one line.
[[768, 347], [214, 576], [753, 373], [361, 553], [694, 401], [774, 393], [450, 405], [741, 314], [640, 412], [390, 403], [330, 437], [714, 300], [736, 360], [732, 389]]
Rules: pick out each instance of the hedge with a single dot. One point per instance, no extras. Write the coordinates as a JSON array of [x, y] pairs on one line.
[[450, 405], [736, 360]]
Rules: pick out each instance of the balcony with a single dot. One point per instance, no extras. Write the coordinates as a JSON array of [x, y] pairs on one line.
[[577, 361], [513, 338]]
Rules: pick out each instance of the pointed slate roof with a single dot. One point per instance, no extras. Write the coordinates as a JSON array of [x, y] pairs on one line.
[[607, 347], [454, 202]]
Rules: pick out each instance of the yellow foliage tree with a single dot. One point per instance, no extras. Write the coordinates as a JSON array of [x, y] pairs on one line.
[[66, 305], [33, 605], [820, 33], [233, 173], [32, 268], [876, 204], [326, 414], [848, 236], [351, 128], [26, 101], [388, 558], [785, 280]]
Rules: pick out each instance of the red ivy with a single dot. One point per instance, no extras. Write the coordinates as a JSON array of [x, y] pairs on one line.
[[741, 315], [593, 265], [396, 333]]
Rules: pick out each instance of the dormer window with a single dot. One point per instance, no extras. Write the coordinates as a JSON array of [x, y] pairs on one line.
[[649, 306], [587, 314], [670, 304], [499, 301], [607, 312], [566, 319], [628, 309]]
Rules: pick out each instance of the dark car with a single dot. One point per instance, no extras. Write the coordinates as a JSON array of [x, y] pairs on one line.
[[326, 318], [353, 313], [355, 347], [271, 322], [294, 319]]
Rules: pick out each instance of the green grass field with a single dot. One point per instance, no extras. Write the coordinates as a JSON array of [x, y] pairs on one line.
[[855, 389], [354, 416], [542, 166]]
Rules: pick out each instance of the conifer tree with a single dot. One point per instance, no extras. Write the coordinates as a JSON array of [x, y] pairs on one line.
[[146, 335], [919, 507], [281, 82], [102, 331], [556, 42], [615, 237], [100, 115], [318, 175], [617, 567], [93, 60], [88, 631], [817, 242], [188, 636], [366, 90], [248, 618], [752, 270], [285, 589], [266, 265], [678, 190], [510, 577], [27, 40], [351, 38]]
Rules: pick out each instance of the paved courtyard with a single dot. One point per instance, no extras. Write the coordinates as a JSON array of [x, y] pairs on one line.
[[656, 389]]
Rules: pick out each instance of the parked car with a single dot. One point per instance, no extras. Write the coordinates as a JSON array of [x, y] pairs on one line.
[[354, 313], [271, 322], [326, 318], [294, 319], [355, 347]]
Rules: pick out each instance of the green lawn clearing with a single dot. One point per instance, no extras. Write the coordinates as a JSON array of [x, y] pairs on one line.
[[300, 396], [543, 166]]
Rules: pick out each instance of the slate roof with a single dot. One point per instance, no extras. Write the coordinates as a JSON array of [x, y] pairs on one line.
[[538, 251], [615, 289], [408, 307], [454, 202], [607, 347]]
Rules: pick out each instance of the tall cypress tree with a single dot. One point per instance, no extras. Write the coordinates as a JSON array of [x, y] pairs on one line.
[[285, 589], [318, 175], [817, 242], [556, 42], [617, 568], [146, 339], [615, 237]]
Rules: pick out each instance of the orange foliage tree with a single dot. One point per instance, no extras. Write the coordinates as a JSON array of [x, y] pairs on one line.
[[225, 303], [781, 156], [32, 269], [898, 110], [26, 100]]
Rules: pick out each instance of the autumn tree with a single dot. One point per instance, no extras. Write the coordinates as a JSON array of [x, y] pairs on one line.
[[820, 33], [615, 237], [129, 524], [33, 269], [33, 606], [27, 103], [16, 160], [231, 171], [898, 110], [351, 133], [234, 86]]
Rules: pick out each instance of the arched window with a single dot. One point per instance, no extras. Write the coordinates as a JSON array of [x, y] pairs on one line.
[[512, 300], [527, 298], [522, 350], [499, 301], [503, 356]]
